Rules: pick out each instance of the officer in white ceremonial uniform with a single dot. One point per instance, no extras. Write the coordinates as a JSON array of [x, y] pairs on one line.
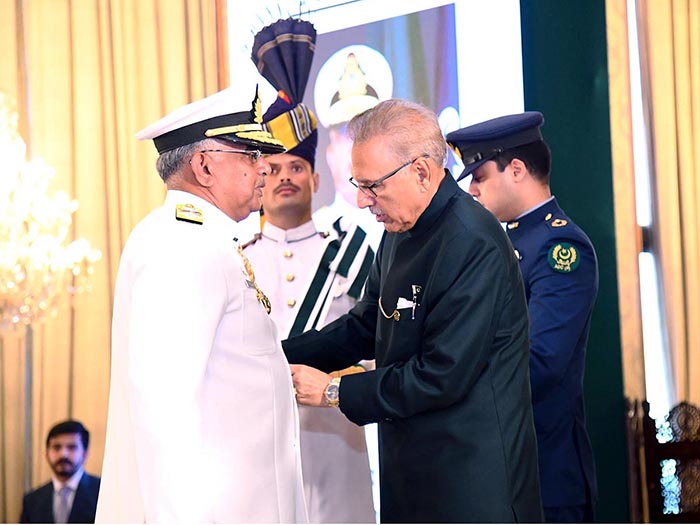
[[354, 79], [202, 424], [312, 277]]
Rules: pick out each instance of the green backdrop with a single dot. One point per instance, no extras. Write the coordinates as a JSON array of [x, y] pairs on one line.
[[566, 78]]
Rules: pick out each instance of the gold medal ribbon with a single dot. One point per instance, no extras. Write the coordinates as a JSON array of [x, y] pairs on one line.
[[262, 298]]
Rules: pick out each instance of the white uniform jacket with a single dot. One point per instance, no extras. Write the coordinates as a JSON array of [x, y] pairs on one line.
[[337, 479], [202, 424]]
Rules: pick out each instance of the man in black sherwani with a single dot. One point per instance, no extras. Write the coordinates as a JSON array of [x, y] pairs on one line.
[[445, 317]]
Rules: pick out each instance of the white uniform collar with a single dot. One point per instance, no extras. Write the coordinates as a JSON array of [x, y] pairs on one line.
[[213, 216], [305, 231]]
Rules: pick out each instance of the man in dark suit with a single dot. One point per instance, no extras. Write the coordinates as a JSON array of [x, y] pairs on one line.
[[71, 495], [444, 314], [510, 165]]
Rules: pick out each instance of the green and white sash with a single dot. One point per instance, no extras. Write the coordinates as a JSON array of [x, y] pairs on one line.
[[343, 269]]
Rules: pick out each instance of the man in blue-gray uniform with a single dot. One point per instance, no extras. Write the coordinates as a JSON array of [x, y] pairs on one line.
[[510, 164], [444, 313]]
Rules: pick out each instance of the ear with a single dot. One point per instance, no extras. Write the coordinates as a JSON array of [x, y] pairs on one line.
[[202, 166], [424, 174], [519, 170], [314, 182]]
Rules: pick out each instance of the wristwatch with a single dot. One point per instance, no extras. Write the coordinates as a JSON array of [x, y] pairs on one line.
[[332, 392]]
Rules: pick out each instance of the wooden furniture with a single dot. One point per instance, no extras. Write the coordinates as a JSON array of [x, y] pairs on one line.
[[670, 465]]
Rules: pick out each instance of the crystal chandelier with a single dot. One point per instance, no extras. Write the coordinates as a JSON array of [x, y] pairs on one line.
[[37, 264]]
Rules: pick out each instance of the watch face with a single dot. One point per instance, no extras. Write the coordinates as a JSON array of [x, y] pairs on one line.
[[332, 392]]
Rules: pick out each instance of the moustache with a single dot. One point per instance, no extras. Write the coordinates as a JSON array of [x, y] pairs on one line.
[[286, 185], [63, 462]]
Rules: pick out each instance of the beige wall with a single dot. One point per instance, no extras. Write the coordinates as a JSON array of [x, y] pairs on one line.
[[86, 76]]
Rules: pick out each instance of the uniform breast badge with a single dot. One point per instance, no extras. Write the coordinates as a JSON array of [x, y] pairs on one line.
[[262, 298], [563, 257], [189, 213]]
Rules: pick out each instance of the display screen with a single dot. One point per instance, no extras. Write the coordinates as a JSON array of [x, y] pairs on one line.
[[461, 59]]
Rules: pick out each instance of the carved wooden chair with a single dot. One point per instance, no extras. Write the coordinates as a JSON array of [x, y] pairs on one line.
[[671, 465]]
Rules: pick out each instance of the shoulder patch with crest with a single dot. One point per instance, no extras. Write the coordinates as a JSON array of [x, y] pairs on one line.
[[189, 213], [563, 257]]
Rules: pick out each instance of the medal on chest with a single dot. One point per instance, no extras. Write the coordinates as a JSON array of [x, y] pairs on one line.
[[262, 298]]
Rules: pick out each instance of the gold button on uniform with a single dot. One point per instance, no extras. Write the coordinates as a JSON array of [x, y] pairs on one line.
[[290, 277], [291, 302], [287, 253]]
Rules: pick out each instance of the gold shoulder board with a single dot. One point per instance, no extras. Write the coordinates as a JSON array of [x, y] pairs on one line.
[[189, 213]]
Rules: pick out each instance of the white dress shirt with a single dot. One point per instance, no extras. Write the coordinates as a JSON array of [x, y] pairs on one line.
[[72, 485]]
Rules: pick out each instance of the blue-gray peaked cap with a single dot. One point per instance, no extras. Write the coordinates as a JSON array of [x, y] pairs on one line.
[[481, 142]]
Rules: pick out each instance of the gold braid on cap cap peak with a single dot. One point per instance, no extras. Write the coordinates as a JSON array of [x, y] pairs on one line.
[[248, 131]]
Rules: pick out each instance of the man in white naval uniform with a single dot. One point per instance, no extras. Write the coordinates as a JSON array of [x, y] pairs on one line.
[[354, 79], [202, 424], [312, 278]]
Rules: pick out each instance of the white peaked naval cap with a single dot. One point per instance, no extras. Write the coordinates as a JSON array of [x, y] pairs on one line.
[[216, 116]]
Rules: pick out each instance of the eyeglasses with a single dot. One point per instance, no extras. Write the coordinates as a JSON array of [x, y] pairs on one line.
[[254, 154], [368, 189]]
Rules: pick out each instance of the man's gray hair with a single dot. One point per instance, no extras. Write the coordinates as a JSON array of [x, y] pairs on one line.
[[171, 161], [411, 129]]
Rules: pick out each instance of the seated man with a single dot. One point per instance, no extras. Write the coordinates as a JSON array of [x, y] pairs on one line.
[[71, 495]]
